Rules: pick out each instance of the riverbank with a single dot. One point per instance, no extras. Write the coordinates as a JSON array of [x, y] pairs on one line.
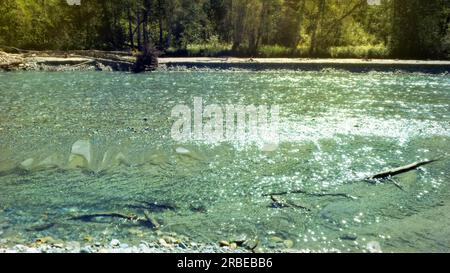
[[105, 61]]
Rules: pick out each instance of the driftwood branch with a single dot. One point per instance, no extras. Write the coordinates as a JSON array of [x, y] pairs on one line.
[[317, 194], [396, 184], [278, 203], [396, 171], [91, 217]]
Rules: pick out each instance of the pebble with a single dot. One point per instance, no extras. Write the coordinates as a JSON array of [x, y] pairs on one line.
[[163, 243], [27, 164], [374, 247], [182, 246], [171, 240], [182, 151], [348, 237], [73, 246], [114, 243], [288, 243], [86, 249]]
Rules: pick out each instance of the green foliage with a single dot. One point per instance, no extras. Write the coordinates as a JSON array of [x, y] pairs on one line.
[[370, 52], [419, 28], [264, 28]]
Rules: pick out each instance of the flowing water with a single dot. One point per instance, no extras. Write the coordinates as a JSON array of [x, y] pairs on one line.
[[336, 128]]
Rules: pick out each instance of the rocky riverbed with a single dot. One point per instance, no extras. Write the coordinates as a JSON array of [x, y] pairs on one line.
[[48, 245]]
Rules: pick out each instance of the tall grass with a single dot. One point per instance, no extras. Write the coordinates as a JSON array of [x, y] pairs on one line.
[[202, 50], [277, 51]]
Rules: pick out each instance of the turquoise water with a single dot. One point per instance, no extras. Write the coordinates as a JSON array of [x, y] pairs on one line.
[[336, 128]]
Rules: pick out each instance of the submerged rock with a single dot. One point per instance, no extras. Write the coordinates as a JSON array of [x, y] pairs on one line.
[[27, 165], [81, 154], [182, 151], [120, 159], [110, 161], [374, 247], [269, 147], [50, 162], [114, 243]]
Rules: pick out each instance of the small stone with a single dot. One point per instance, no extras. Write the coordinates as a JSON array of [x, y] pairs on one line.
[[81, 154], [49, 162], [86, 249], [182, 246], [233, 246], [45, 240], [171, 240], [88, 238], [374, 247], [348, 237], [240, 239], [276, 239], [114, 243], [103, 250], [20, 248], [288, 243], [73, 245], [269, 147], [27, 164], [182, 151], [193, 244], [120, 159], [163, 243]]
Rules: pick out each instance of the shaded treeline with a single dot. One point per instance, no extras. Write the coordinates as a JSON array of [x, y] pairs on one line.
[[405, 28]]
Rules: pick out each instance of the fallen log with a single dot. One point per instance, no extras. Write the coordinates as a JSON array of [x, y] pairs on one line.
[[396, 171]]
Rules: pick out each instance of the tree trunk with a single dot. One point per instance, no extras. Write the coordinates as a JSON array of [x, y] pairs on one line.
[[316, 24], [299, 12], [130, 27], [160, 23], [139, 34], [145, 24]]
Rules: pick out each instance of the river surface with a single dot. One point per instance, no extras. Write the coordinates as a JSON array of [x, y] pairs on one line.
[[336, 128]]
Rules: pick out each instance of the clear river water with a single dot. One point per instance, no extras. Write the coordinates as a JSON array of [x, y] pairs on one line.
[[336, 128]]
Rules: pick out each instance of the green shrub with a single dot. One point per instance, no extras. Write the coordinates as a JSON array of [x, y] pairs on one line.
[[377, 51]]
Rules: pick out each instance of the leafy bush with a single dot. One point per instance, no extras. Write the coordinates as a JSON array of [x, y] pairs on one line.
[[377, 51]]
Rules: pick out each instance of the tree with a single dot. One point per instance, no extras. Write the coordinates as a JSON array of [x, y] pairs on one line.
[[418, 28]]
